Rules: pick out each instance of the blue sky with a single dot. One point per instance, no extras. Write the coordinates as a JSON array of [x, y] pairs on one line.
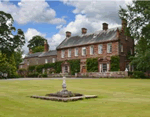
[[51, 19]]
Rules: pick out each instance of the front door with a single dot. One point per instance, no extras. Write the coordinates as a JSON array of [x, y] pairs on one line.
[[83, 69]]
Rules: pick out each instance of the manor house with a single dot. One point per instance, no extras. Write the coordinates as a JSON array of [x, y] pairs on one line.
[[102, 44]]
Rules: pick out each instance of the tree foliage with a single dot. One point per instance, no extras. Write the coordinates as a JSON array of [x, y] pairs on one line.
[[8, 41], [37, 43], [38, 49], [18, 57], [137, 15]]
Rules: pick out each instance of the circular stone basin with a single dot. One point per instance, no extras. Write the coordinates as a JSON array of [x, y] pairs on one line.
[[64, 93]]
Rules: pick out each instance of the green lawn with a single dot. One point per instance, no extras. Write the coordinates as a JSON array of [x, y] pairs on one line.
[[116, 98]]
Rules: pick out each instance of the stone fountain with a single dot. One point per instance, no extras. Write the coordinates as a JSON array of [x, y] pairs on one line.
[[64, 95]]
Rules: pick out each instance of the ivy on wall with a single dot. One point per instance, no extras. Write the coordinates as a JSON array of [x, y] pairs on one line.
[[38, 68], [115, 60], [92, 64], [31, 68], [74, 66]]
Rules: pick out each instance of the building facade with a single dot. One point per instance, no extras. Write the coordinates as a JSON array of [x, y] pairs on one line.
[[102, 44], [39, 58]]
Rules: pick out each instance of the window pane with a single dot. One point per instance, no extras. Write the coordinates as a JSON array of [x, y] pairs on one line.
[[104, 67]]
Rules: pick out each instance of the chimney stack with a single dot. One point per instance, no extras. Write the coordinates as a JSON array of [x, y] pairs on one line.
[[30, 51], [68, 34], [45, 46], [84, 31], [105, 26], [124, 24]]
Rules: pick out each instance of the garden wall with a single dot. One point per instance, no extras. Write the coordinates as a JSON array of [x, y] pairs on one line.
[[116, 74]]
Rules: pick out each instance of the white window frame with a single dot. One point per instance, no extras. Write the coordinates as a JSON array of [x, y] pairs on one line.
[[121, 46], [83, 48], [109, 45], [91, 49], [106, 69], [62, 53], [53, 60], [69, 52], [76, 52], [46, 61], [100, 49]]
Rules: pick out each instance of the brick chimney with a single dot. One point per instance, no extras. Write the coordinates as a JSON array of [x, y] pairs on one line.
[[45, 46], [84, 31], [68, 34], [124, 24], [30, 51], [105, 26]]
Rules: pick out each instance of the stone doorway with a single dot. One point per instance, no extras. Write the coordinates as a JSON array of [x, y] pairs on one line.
[[83, 69]]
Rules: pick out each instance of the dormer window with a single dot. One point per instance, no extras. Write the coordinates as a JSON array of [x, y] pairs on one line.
[[69, 52], [91, 50], [83, 51], [62, 53]]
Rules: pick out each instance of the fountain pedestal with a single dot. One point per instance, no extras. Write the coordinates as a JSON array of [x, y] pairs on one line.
[[64, 94]]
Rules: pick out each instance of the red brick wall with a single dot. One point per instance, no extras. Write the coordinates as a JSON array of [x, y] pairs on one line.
[[114, 52], [127, 46]]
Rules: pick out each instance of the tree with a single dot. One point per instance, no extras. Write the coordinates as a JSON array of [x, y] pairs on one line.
[[18, 57], [8, 41], [37, 43], [137, 15], [38, 49]]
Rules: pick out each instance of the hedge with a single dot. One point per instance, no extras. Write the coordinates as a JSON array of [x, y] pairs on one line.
[[92, 64]]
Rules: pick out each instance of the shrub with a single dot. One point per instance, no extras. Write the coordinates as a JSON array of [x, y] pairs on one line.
[[33, 74], [138, 74], [44, 75], [31, 68], [92, 64], [130, 73], [115, 63]]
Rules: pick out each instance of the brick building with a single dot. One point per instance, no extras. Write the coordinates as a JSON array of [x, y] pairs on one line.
[[102, 44], [39, 58]]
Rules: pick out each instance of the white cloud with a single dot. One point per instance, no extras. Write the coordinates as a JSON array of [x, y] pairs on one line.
[[98, 9], [75, 28], [31, 11]]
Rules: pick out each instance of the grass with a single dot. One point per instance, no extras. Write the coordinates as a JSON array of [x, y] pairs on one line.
[[117, 98]]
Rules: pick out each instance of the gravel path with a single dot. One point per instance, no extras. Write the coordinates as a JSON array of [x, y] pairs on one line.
[[39, 78]]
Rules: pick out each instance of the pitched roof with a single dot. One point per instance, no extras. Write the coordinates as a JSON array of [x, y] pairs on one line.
[[49, 53], [33, 55], [42, 54], [96, 37]]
